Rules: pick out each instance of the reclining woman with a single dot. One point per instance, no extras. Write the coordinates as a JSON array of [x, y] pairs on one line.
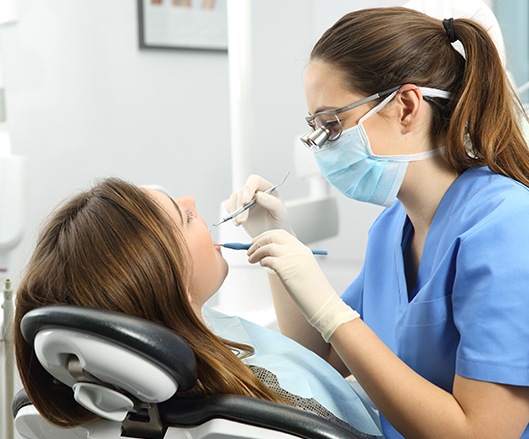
[[121, 247]]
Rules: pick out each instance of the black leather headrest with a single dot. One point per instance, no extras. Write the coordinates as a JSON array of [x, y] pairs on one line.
[[150, 340]]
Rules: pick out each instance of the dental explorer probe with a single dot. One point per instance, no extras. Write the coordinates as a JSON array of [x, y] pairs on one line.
[[242, 246], [250, 204]]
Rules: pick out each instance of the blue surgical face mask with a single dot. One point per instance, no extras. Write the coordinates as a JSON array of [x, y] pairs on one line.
[[349, 164]]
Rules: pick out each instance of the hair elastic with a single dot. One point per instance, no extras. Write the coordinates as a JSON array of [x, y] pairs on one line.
[[448, 24]]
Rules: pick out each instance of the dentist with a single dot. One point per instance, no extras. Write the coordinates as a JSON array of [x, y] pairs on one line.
[[436, 326]]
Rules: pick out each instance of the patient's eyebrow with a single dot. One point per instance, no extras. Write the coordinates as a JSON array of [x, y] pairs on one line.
[[177, 209]]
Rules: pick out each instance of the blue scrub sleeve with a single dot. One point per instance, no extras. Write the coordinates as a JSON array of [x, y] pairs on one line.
[[491, 299]]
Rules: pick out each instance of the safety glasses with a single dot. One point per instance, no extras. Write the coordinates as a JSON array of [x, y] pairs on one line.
[[326, 125]]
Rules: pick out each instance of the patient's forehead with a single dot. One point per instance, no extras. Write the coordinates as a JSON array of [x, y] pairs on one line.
[[165, 202]]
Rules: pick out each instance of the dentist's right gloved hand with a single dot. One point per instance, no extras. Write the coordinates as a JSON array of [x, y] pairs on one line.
[[267, 214], [303, 278]]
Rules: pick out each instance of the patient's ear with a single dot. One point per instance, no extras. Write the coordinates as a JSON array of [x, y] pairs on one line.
[[196, 307]]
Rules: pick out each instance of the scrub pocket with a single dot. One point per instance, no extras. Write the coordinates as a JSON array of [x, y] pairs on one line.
[[427, 313], [427, 340]]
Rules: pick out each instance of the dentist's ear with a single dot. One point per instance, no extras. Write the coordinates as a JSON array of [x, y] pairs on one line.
[[409, 99]]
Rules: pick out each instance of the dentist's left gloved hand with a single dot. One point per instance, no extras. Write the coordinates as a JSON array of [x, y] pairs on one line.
[[268, 213], [303, 278]]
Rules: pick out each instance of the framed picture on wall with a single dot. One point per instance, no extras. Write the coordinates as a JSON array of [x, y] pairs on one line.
[[183, 24]]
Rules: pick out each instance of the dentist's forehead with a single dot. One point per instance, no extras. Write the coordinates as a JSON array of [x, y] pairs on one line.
[[325, 88]]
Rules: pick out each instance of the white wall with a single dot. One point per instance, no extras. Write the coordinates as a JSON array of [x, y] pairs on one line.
[[84, 102]]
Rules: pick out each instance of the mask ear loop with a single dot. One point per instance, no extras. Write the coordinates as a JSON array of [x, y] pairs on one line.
[[435, 93], [426, 91], [378, 107], [415, 157]]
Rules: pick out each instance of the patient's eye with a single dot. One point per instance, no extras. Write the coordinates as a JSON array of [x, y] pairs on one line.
[[190, 215]]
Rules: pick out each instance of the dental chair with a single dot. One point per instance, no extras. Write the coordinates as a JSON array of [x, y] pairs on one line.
[[129, 372]]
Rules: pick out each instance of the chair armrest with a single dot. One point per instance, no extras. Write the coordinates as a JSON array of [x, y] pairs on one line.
[[252, 411]]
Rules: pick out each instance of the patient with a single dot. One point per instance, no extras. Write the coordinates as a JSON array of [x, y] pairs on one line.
[[131, 249]]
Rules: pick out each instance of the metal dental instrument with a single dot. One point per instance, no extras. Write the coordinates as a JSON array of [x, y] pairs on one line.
[[242, 246], [250, 204]]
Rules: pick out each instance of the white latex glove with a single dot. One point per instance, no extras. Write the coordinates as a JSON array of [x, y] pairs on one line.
[[303, 278], [267, 214]]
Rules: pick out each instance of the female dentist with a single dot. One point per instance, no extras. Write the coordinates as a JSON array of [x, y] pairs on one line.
[[436, 326]]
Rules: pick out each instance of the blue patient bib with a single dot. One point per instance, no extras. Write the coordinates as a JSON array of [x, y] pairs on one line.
[[299, 370]]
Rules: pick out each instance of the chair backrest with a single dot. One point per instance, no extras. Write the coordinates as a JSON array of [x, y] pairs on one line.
[[96, 352], [128, 371]]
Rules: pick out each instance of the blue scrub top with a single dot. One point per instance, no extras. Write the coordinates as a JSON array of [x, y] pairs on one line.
[[469, 310]]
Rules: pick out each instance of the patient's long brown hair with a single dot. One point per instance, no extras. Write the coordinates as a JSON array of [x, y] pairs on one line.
[[112, 247], [380, 48]]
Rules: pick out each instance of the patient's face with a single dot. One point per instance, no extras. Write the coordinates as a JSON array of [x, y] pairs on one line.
[[210, 268]]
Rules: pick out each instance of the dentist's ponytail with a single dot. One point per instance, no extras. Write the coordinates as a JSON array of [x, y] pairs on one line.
[[484, 127]]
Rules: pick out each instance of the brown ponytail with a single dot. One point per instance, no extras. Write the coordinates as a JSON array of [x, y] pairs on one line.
[[484, 127], [380, 48]]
